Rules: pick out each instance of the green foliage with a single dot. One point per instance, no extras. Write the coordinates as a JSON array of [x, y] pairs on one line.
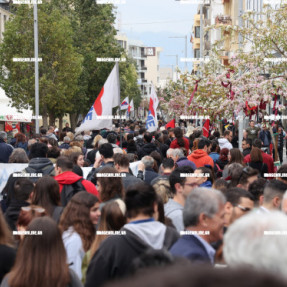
[[60, 66], [72, 35]]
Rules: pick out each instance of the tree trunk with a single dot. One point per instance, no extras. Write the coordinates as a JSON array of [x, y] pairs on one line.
[[45, 117], [60, 123], [51, 119], [73, 119]]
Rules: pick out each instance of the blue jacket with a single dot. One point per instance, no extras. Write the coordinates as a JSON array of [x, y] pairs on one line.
[[206, 184], [5, 151], [190, 247], [150, 174], [214, 156]]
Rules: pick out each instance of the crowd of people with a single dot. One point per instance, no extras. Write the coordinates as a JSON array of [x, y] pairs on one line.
[[127, 206]]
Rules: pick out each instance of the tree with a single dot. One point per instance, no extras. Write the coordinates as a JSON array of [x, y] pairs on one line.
[[226, 90], [95, 38], [59, 69]]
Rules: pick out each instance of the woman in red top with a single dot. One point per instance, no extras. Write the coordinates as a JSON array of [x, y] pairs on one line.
[[180, 141]]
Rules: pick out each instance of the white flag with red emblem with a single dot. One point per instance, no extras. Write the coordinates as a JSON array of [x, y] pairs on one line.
[[100, 114]]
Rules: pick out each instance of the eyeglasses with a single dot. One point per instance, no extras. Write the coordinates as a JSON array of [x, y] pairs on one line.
[[245, 209]]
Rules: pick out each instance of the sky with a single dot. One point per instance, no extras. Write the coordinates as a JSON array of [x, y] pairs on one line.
[[154, 21]]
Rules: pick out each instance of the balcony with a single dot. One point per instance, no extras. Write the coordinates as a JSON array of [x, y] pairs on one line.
[[223, 19]]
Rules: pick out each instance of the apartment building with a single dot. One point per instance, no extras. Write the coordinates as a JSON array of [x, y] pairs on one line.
[[147, 60], [221, 13]]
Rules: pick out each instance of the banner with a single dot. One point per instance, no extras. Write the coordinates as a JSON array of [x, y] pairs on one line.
[[151, 122]]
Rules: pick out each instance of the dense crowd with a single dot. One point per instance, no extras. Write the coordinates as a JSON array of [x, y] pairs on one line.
[[167, 208]]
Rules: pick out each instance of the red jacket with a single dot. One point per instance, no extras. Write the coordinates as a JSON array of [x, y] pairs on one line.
[[174, 144], [69, 177], [268, 159], [201, 158]]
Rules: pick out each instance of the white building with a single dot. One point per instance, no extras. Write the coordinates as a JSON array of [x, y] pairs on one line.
[[147, 60]]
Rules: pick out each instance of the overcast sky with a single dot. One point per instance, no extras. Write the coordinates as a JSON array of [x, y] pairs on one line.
[[154, 21]]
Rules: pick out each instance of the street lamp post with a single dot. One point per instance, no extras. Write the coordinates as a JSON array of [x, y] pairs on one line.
[[176, 65], [36, 67], [241, 116]]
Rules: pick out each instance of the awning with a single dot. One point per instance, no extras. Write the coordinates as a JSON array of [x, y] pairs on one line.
[[11, 114]]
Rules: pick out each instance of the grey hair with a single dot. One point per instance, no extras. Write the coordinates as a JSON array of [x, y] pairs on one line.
[[118, 150], [246, 242], [285, 195], [201, 200], [102, 141], [79, 138], [3, 135], [170, 152], [18, 156], [178, 152], [148, 161], [66, 139]]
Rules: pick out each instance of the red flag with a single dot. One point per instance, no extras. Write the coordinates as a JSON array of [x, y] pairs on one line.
[[205, 128], [195, 90], [170, 124]]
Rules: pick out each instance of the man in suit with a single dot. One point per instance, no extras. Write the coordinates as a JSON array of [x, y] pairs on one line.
[[203, 217]]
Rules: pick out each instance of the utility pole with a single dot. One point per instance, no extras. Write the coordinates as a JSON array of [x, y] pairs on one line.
[[241, 116], [201, 42], [36, 55]]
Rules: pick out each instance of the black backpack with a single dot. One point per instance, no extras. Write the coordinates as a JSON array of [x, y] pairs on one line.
[[69, 190]]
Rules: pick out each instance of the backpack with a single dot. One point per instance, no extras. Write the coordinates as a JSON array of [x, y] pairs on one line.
[[69, 190]]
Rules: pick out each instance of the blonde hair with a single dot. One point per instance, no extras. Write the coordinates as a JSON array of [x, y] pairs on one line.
[[96, 139], [70, 135]]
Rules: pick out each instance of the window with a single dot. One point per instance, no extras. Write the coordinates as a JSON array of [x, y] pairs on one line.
[[196, 53], [197, 32]]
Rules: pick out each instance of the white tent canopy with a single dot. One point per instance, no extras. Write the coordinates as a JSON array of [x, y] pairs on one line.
[[11, 114]]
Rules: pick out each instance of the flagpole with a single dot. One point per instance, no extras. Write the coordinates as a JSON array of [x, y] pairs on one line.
[[119, 91]]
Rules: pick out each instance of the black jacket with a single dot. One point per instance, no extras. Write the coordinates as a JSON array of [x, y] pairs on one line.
[[7, 255], [115, 255], [246, 151], [92, 173], [130, 180], [147, 149], [13, 211]]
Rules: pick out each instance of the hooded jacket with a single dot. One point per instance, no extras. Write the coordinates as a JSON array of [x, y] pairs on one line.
[[201, 158], [224, 143], [40, 165], [69, 177], [115, 255]]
